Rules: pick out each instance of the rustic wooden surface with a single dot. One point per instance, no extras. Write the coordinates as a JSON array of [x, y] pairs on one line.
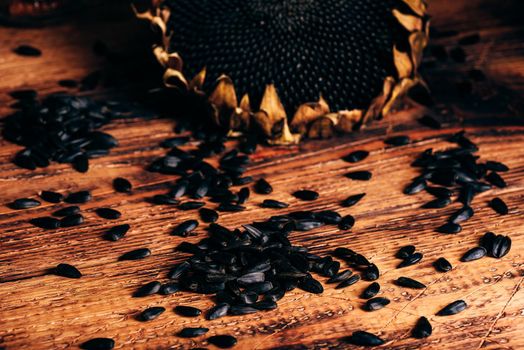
[[42, 311]]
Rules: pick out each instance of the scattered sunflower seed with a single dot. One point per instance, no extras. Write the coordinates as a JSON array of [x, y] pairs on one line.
[[263, 187], [108, 213], [474, 254], [352, 200], [350, 281], [136, 254], [51, 197], [222, 341], [499, 206], [274, 204], [306, 195], [185, 228], [71, 210], [401, 140], [410, 260], [346, 223], [68, 271], [187, 311], [409, 283], [208, 215], [363, 338], [359, 175], [24, 203], [78, 197], [356, 156], [151, 313], [98, 344], [72, 220], [147, 289], [191, 332], [116, 233], [370, 291], [442, 265], [47, 223], [422, 329], [405, 252], [376, 303], [453, 308], [461, 215], [122, 185], [27, 50], [449, 228]]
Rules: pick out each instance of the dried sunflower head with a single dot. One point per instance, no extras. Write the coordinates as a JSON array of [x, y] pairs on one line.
[[291, 67]]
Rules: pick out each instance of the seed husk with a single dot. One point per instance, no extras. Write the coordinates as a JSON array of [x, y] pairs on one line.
[[370, 291], [409, 283], [191, 205], [363, 175], [499, 206], [72, 220], [496, 180], [185, 228], [474, 254], [108, 213], [263, 187], [208, 215], [422, 329], [453, 308], [151, 313], [376, 303], [350, 281], [79, 197], [442, 265], [116, 233], [306, 195], [346, 223], [356, 156], [400, 140], [352, 200], [187, 311], [68, 271], [98, 344], [147, 289], [24, 203], [461, 215], [191, 332], [273, 204], [27, 50], [136, 254], [51, 197], [437, 203], [449, 228], [363, 338], [405, 252], [410, 260], [47, 223], [217, 311], [222, 341], [122, 185]]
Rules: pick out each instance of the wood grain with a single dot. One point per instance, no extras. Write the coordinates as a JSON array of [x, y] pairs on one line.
[[41, 311]]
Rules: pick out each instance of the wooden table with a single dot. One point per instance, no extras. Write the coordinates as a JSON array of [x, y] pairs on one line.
[[41, 311]]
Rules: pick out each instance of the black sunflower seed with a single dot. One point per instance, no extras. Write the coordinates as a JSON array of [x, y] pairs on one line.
[[416, 186], [252, 277], [496, 180], [208, 215], [370, 291], [442, 265], [307, 225], [24, 161], [187, 311], [78, 197], [116, 233], [217, 311], [346, 223], [163, 199], [179, 189], [265, 305], [422, 328], [27, 94], [449, 228], [51, 197], [263, 187], [350, 281], [68, 271], [71, 210], [179, 269], [81, 163], [500, 247], [430, 122], [376, 303], [222, 341], [185, 228], [405, 252], [24, 203], [437, 203], [242, 309], [147, 289], [474, 254], [191, 205], [499, 206], [151, 313], [122, 185], [363, 338], [397, 140], [496, 166], [352, 200], [453, 308], [461, 215], [174, 141], [370, 273], [243, 195], [359, 175], [27, 50], [356, 156], [108, 213], [47, 223], [136, 254], [467, 193], [306, 195], [311, 285], [68, 83], [409, 283], [98, 344], [341, 276], [410, 260], [230, 207], [274, 204], [72, 220], [440, 192], [191, 332], [169, 288]]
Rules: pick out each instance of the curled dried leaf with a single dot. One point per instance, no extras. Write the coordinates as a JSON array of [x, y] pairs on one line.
[[402, 63], [376, 108], [174, 79], [411, 23], [418, 6], [307, 113], [349, 120]]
